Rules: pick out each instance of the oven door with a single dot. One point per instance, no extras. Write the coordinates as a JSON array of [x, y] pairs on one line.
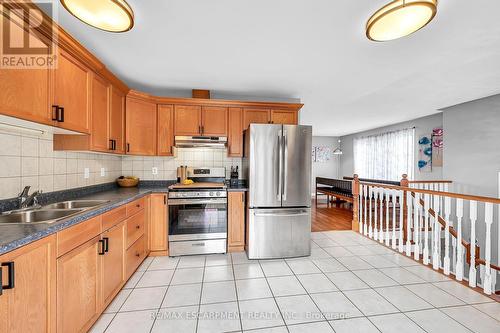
[[193, 219]]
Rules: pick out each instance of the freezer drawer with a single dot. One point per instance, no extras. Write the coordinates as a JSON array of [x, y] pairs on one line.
[[206, 246], [279, 233]]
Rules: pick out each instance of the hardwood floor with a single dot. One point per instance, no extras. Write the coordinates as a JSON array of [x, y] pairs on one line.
[[336, 216]]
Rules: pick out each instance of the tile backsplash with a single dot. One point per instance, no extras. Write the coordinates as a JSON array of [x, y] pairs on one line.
[[27, 159], [167, 166]]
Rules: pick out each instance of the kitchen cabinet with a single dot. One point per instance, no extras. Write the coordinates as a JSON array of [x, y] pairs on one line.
[[100, 115], [236, 221], [165, 130], [158, 225], [72, 94], [113, 262], [187, 120], [284, 117], [117, 121], [79, 287], [30, 305], [135, 227], [214, 121], [235, 132], [255, 116], [140, 127]]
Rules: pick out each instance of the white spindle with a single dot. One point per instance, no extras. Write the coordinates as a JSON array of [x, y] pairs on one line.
[[454, 253], [426, 229], [459, 269], [401, 221], [447, 212], [416, 226], [488, 219], [365, 226], [370, 227], [387, 198], [435, 228], [393, 219], [472, 268], [381, 213], [408, 222], [376, 194], [360, 208]]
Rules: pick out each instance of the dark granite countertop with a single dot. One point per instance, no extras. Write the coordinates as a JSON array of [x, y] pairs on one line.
[[239, 188], [15, 236]]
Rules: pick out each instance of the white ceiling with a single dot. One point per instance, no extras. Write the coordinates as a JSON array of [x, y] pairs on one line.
[[314, 50]]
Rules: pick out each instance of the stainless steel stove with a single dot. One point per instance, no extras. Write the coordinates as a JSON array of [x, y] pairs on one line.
[[198, 213]]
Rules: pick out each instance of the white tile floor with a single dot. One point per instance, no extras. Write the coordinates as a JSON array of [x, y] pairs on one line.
[[349, 284]]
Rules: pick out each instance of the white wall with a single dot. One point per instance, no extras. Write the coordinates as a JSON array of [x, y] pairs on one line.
[[328, 169], [422, 126]]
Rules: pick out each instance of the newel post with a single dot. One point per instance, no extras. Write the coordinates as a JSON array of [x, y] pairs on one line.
[[404, 183], [355, 203]]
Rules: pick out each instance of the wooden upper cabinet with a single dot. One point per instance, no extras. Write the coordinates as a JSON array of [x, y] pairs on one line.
[[255, 116], [284, 117], [187, 120], [72, 93], [100, 114], [79, 282], [235, 132], [30, 306], [165, 130], [140, 127], [214, 121], [117, 120]]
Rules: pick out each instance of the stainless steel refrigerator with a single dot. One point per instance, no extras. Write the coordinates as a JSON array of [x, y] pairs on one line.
[[278, 159]]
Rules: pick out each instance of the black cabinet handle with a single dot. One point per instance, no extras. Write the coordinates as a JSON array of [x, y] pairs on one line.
[[106, 244], [60, 114], [202, 129], [128, 147], [55, 112], [114, 144], [102, 250], [199, 129], [1, 282], [111, 144], [11, 274]]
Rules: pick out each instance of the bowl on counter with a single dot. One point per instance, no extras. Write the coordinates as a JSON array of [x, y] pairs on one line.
[[127, 181]]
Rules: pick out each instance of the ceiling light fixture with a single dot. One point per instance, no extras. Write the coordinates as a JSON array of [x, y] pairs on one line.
[[107, 15], [400, 18]]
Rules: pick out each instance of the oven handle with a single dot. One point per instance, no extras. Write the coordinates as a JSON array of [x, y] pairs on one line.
[[174, 202]]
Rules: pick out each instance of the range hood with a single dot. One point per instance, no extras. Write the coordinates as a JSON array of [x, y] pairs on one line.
[[201, 142]]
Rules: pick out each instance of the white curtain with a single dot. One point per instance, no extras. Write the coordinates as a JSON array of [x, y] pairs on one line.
[[385, 156]]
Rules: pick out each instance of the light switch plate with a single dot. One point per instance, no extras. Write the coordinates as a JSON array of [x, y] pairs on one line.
[[86, 173], [103, 172], [154, 170]]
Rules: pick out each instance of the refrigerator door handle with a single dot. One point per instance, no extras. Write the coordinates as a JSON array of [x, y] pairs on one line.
[[285, 162], [280, 161]]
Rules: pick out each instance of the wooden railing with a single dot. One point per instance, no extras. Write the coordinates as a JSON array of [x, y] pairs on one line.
[[416, 220]]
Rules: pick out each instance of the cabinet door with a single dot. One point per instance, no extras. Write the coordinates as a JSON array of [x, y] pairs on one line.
[[235, 132], [117, 120], [140, 127], [100, 115], [284, 117], [30, 305], [255, 116], [187, 120], [236, 221], [113, 262], [71, 92], [158, 227], [79, 287], [214, 121], [165, 130]]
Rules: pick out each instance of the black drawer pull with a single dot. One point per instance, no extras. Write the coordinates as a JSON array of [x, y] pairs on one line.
[[106, 244], [1, 282], [55, 112], [11, 274], [102, 249]]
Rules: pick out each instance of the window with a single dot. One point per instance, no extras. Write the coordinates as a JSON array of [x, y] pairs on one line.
[[385, 156]]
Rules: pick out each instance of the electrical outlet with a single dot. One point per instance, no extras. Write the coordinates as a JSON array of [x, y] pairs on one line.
[[86, 173], [154, 170], [103, 172]]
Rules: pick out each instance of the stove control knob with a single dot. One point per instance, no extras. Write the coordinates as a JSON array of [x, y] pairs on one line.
[[211, 194], [218, 194]]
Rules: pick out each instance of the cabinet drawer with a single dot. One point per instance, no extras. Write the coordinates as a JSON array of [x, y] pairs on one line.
[[135, 255], [112, 218], [135, 227], [75, 236], [135, 206]]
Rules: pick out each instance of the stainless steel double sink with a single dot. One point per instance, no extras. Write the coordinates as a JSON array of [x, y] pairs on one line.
[[49, 213]]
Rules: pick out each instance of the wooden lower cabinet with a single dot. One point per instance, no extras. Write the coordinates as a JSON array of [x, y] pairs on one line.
[[158, 226], [236, 221], [79, 287], [135, 255], [30, 306], [113, 262]]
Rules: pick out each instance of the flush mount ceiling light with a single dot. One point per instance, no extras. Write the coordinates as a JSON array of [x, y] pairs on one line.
[[400, 18], [108, 15]]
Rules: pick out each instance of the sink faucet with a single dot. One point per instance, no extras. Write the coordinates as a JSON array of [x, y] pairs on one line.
[[27, 200]]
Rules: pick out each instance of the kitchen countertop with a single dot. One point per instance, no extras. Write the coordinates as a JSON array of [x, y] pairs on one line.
[[239, 188], [15, 236]]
